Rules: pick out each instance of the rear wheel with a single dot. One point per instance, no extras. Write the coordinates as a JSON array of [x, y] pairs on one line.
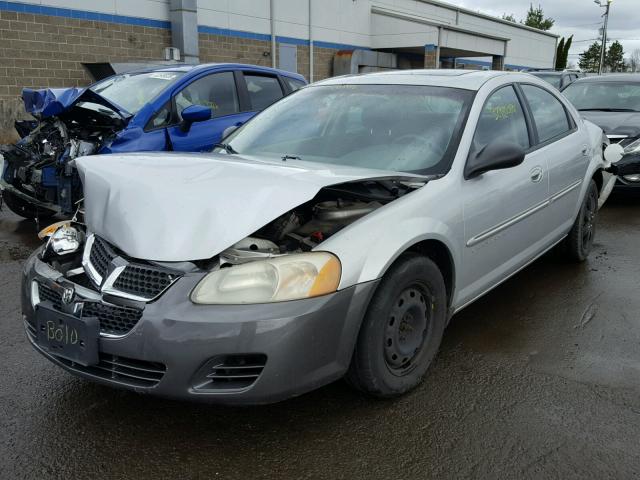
[[579, 242], [402, 329], [23, 208]]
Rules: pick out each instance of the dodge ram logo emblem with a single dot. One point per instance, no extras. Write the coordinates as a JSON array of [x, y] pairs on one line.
[[67, 295]]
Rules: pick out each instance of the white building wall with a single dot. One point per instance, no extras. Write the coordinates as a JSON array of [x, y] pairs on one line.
[[344, 22], [151, 9]]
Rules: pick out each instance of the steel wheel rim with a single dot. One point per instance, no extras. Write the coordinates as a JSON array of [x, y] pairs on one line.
[[588, 221], [407, 329]]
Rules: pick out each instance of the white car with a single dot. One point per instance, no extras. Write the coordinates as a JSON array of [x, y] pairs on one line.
[[335, 234]]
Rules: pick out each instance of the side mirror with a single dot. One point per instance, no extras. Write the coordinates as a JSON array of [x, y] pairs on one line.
[[495, 156], [228, 131], [193, 114], [613, 153]]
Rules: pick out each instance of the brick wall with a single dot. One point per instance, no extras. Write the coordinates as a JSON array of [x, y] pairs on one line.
[[221, 48], [40, 51], [45, 51]]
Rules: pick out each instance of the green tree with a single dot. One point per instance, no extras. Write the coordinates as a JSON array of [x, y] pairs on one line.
[[615, 58], [559, 51], [562, 53], [510, 17], [590, 58], [536, 19]]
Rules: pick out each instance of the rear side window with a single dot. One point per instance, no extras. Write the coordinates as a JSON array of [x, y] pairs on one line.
[[549, 114], [263, 90], [502, 119], [293, 83], [217, 91]]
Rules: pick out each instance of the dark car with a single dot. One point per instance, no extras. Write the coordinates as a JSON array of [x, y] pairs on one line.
[[172, 108], [613, 103], [559, 80]]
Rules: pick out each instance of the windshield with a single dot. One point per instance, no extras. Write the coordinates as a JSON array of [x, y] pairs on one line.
[[132, 91], [392, 127], [604, 96], [552, 79]]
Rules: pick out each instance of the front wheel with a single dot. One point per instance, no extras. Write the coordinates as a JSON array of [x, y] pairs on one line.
[[402, 329], [579, 242]]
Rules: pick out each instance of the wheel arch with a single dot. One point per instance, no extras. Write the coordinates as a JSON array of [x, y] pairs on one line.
[[599, 179], [440, 254]]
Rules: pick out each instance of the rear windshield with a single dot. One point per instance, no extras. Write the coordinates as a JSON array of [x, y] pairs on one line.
[[132, 91]]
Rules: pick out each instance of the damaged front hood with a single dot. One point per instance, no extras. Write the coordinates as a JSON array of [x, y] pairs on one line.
[[49, 102], [177, 207]]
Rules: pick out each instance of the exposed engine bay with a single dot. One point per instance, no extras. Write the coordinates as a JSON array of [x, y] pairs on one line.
[[41, 164], [305, 227]]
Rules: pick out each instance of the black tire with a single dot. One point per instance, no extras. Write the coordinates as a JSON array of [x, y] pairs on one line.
[[394, 325], [579, 242], [23, 208]]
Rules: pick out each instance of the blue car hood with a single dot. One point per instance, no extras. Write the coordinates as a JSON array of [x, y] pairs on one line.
[[49, 102]]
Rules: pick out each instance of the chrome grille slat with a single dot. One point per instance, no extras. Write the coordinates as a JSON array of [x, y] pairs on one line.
[[119, 363], [107, 372], [126, 374], [133, 279]]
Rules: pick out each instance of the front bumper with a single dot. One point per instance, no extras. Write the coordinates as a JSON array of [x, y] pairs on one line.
[[624, 186], [304, 344]]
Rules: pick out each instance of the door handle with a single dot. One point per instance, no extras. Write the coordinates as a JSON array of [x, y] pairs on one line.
[[239, 124], [585, 150], [536, 174]]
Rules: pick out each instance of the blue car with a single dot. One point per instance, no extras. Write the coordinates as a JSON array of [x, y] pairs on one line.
[[174, 108]]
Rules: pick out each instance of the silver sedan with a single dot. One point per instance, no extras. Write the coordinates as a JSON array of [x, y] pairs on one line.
[[334, 235]]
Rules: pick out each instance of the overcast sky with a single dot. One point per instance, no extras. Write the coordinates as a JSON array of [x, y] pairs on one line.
[[582, 18]]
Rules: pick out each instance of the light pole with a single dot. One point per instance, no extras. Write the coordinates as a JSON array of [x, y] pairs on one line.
[[606, 4]]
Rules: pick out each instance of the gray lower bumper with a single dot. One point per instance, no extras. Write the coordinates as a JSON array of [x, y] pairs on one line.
[[307, 343]]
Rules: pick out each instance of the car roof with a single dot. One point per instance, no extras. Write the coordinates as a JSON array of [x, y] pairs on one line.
[[615, 77], [465, 79], [205, 66], [542, 72]]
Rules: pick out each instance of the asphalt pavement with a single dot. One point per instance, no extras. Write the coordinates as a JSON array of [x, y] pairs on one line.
[[538, 379]]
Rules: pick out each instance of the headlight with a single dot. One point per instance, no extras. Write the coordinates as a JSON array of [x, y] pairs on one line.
[[633, 147], [66, 239], [289, 277], [632, 178], [51, 229]]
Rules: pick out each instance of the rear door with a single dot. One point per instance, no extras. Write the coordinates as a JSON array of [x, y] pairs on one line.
[[220, 92], [504, 210], [262, 89], [566, 149]]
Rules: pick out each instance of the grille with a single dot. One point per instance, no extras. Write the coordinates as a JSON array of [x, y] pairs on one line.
[[230, 372], [127, 371], [47, 293], [100, 256], [114, 319], [144, 281]]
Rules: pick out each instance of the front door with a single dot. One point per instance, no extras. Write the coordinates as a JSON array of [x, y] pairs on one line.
[[503, 210], [217, 91]]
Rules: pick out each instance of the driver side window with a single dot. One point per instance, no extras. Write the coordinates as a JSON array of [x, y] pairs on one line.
[[502, 119], [217, 91]]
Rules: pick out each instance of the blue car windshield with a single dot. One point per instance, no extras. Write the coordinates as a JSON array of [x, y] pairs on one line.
[[407, 128], [132, 91]]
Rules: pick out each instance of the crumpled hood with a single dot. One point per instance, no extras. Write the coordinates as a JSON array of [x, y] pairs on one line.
[[615, 123], [49, 102], [178, 207]]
